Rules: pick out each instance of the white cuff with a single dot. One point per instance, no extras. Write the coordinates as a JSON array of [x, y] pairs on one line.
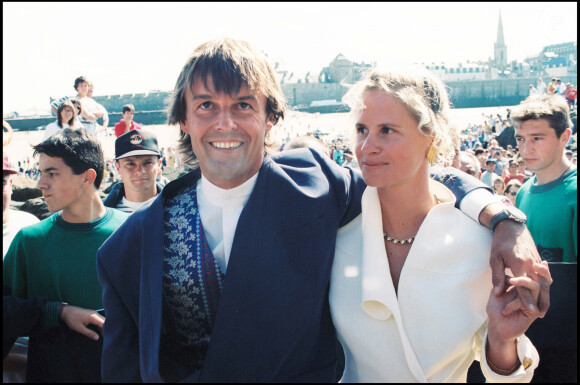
[[473, 203], [528, 356]]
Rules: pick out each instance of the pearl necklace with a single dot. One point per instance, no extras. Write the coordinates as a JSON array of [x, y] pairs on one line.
[[398, 241], [408, 240]]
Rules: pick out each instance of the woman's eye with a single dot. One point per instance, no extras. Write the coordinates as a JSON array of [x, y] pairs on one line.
[[386, 130], [205, 105], [245, 106], [361, 130]]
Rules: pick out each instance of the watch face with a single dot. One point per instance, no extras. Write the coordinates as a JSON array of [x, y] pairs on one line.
[[518, 213]]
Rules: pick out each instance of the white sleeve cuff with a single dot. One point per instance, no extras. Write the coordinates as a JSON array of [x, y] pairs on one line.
[[473, 203], [528, 356]]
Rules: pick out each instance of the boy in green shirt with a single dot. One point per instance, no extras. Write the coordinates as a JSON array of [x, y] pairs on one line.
[[56, 258], [549, 198]]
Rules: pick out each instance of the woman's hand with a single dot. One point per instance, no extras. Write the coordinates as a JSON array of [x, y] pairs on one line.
[[509, 316]]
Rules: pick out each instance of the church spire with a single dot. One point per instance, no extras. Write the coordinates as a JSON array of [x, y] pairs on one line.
[[499, 40], [500, 49]]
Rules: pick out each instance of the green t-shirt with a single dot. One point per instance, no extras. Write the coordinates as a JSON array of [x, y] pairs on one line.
[[551, 212], [58, 260]]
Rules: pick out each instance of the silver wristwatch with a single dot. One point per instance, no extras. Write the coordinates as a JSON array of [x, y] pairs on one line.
[[508, 213]]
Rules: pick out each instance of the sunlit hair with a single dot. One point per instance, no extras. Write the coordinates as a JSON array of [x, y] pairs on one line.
[[497, 178], [81, 79], [231, 64], [128, 108], [71, 122], [553, 108], [424, 95], [78, 149], [512, 183]]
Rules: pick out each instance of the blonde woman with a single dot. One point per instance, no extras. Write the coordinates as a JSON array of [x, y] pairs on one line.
[[411, 295]]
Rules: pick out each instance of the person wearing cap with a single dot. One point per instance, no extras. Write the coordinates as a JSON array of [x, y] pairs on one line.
[[488, 175], [138, 161], [56, 259], [126, 123], [12, 220]]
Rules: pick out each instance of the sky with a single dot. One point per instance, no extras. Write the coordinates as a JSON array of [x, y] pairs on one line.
[[138, 47]]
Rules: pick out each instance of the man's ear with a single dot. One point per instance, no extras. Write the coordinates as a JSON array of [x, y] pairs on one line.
[[269, 122], [90, 176], [565, 138]]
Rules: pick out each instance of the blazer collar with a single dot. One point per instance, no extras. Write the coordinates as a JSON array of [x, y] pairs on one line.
[[378, 294]]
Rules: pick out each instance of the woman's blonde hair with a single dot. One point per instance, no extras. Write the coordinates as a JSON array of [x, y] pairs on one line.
[[422, 93]]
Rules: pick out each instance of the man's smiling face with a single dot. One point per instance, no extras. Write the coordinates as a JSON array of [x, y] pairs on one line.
[[227, 132]]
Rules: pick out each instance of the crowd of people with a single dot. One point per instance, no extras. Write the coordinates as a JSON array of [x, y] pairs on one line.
[[317, 263]]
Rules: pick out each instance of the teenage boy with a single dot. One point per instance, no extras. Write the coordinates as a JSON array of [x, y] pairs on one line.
[[56, 258], [138, 161], [126, 124], [488, 175], [549, 198]]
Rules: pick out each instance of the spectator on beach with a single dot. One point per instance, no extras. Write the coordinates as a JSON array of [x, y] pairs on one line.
[[549, 198], [90, 110], [411, 238], [513, 172], [541, 87], [469, 164], [126, 123], [170, 158], [18, 316], [511, 190], [66, 117], [560, 88], [501, 161], [533, 90], [498, 185], [488, 175], [337, 154], [522, 168], [221, 250], [138, 161], [105, 116], [12, 220], [56, 258], [570, 95], [552, 86], [307, 141], [481, 156]]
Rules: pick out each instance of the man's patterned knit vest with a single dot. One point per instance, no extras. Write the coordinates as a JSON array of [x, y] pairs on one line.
[[192, 283]]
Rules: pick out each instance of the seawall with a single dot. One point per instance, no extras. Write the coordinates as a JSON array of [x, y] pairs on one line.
[[150, 107]]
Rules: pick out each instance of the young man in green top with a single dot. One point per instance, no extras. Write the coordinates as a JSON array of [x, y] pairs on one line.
[[56, 258], [549, 198]]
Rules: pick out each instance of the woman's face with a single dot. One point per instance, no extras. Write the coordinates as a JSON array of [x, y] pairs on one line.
[[498, 186], [66, 114], [512, 193], [389, 147]]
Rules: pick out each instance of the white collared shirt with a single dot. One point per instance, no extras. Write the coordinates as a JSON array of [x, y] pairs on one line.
[[220, 210]]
